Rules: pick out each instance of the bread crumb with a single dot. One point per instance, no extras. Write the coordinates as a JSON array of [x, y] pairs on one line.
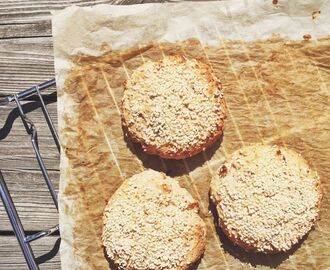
[[307, 37], [223, 170], [315, 14], [166, 188]]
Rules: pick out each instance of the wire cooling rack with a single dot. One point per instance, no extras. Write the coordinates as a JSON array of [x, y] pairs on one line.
[[24, 241]]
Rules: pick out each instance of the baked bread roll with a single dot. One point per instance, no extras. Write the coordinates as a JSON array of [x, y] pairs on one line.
[[174, 108], [150, 222], [267, 198]]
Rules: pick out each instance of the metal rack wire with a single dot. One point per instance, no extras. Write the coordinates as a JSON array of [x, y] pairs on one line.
[[24, 240]]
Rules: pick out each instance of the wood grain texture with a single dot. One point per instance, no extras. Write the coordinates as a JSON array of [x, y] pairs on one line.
[[25, 62], [45, 249], [21, 170], [26, 59], [15, 11]]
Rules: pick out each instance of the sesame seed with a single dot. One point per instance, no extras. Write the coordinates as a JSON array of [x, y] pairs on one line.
[[174, 107], [149, 224], [268, 203]]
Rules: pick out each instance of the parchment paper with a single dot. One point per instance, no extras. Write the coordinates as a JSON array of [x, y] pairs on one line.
[[276, 87]]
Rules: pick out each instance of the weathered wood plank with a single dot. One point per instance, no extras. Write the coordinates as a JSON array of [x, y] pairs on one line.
[[36, 29], [21, 170], [46, 249], [31, 11], [32, 200], [24, 63], [12, 128]]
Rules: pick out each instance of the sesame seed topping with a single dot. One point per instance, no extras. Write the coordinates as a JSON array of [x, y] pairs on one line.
[[174, 107], [267, 203], [152, 223]]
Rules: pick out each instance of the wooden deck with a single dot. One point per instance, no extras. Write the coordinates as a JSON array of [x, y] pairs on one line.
[[26, 59]]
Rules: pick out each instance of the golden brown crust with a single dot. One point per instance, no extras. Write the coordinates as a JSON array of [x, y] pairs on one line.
[[274, 198], [177, 114], [152, 223]]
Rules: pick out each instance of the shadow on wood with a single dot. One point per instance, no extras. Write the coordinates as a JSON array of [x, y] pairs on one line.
[[28, 107], [51, 254], [253, 258]]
